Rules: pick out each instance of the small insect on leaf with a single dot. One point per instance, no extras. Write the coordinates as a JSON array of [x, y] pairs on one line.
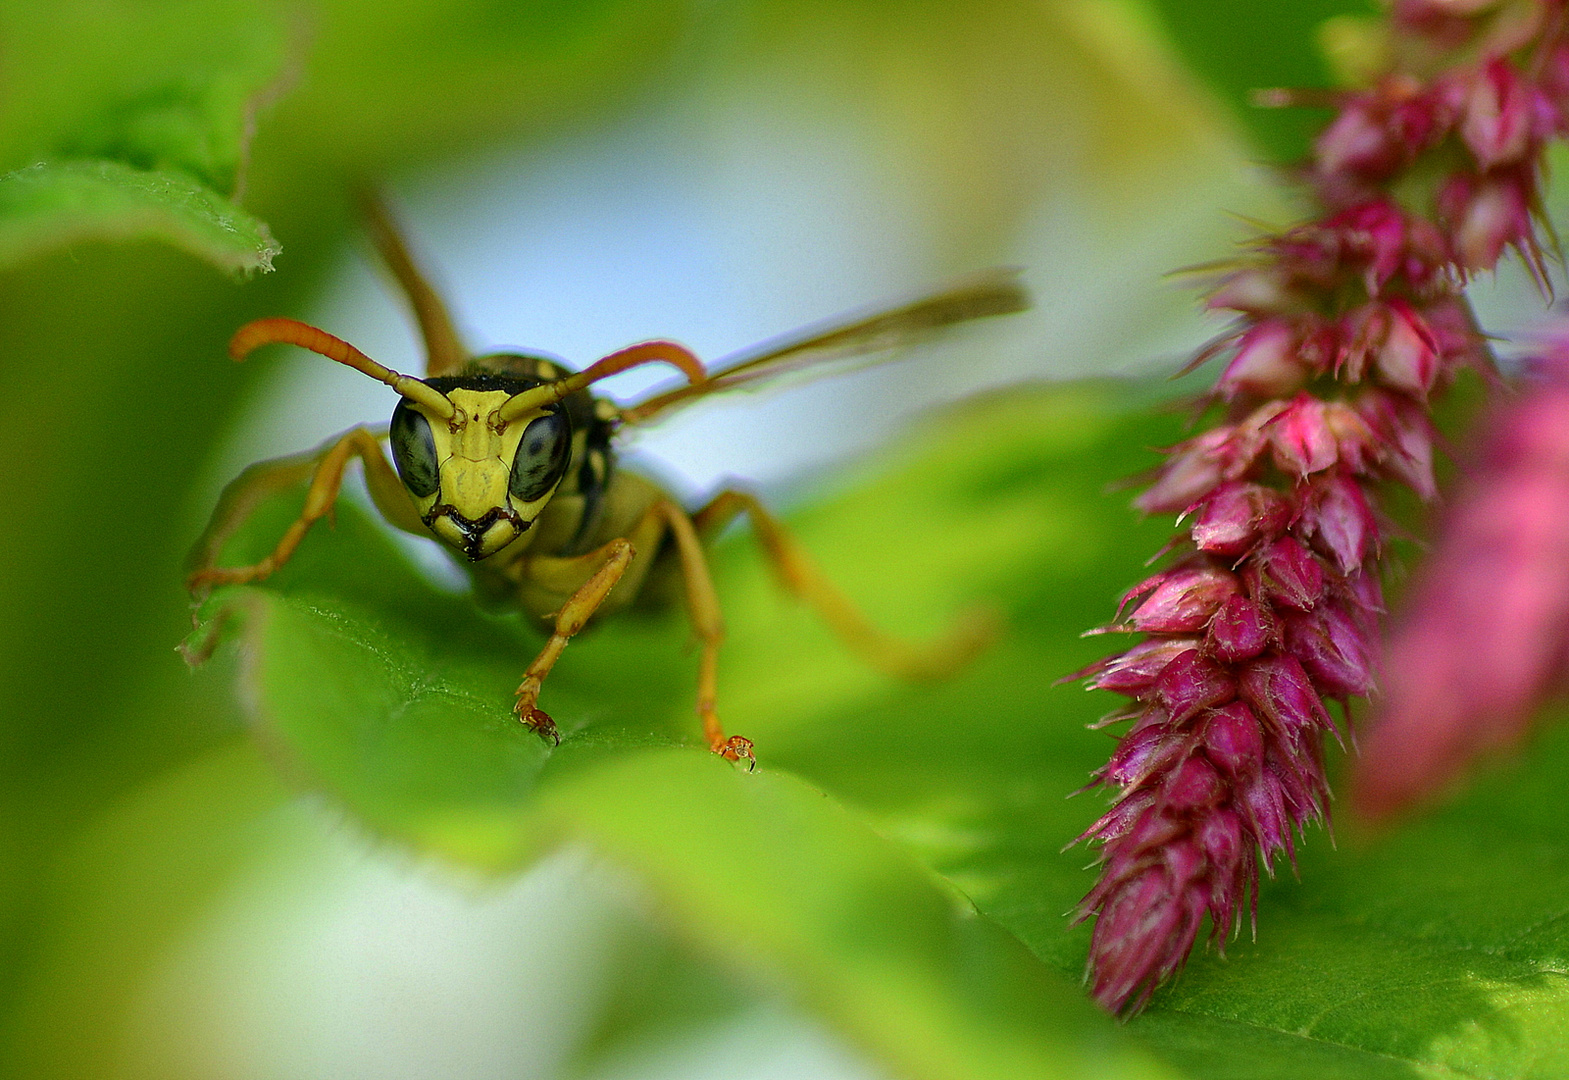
[[507, 460]]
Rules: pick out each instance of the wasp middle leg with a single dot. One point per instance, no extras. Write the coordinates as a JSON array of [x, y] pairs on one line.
[[801, 577]]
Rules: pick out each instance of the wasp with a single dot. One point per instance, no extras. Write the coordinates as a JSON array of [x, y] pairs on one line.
[[509, 461]]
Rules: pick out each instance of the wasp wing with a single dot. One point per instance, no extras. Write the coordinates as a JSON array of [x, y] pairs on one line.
[[996, 291]]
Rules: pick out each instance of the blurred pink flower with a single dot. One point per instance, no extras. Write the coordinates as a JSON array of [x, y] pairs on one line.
[[1485, 634]]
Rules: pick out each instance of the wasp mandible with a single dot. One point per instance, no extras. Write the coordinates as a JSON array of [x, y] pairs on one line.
[[509, 461]]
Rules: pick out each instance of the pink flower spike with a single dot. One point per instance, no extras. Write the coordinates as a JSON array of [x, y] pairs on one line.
[[1343, 327]]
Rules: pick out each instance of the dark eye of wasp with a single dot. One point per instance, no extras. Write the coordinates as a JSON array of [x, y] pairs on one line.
[[414, 451], [542, 457]]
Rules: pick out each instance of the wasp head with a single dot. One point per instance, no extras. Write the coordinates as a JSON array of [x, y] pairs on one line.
[[481, 476]]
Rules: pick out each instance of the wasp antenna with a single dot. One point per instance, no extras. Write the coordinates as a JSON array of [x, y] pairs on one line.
[[646, 352], [444, 351], [254, 335]]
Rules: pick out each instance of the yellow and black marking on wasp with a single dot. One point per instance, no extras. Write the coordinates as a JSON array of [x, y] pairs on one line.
[[508, 460]]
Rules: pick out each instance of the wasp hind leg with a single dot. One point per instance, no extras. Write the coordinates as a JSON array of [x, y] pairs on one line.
[[801, 578], [325, 467]]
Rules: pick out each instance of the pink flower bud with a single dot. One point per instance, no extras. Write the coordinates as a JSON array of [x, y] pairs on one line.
[[1253, 291], [1357, 446], [1191, 470], [1184, 600], [1225, 844], [1240, 630], [1488, 214], [1365, 595], [1194, 786], [1300, 439], [1359, 141], [1496, 124], [1237, 516], [1406, 435], [1266, 364], [1133, 672], [1408, 355], [1285, 573], [1234, 741], [1192, 683], [1554, 88], [1332, 649], [1141, 754], [1280, 693], [1374, 235], [1338, 516]]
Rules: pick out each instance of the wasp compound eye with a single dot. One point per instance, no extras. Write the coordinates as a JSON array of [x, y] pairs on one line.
[[542, 457], [414, 450]]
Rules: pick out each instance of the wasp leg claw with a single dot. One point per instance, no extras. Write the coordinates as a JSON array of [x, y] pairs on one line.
[[538, 720], [735, 748], [532, 717]]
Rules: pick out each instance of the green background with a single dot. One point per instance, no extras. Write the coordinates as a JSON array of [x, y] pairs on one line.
[[892, 875]]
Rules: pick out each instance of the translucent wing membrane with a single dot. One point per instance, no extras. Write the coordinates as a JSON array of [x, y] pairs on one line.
[[996, 291]]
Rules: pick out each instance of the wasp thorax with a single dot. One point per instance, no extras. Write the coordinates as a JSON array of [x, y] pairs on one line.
[[478, 481]]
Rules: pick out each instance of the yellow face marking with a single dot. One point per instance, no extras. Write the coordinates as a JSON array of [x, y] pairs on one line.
[[472, 509]]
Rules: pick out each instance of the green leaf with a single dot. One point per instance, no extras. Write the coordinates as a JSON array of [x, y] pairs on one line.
[[172, 86], [141, 116], [58, 204], [772, 877], [1239, 47]]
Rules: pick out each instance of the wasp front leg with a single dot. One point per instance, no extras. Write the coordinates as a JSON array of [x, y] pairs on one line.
[[325, 467], [613, 559]]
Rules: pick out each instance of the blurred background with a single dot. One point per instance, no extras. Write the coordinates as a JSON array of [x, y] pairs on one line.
[[577, 176]]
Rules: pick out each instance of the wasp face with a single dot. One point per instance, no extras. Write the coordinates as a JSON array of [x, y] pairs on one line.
[[478, 481]]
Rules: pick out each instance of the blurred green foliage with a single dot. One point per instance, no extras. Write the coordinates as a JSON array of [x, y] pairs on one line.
[[1240, 47], [894, 868]]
